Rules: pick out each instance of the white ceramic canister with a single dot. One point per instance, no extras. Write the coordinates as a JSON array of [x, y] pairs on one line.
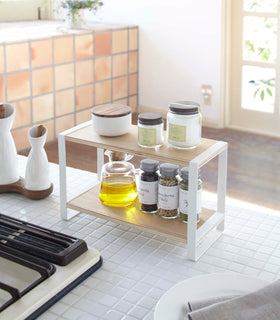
[[150, 130], [37, 173], [8, 154], [184, 124], [111, 119]]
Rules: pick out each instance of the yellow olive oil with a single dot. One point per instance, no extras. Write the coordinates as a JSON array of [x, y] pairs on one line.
[[118, 191]]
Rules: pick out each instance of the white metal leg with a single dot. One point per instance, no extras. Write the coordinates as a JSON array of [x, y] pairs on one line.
[[62, 171], [221, 188], [200, 240], [62, 176], [192, 205], [100, 162]]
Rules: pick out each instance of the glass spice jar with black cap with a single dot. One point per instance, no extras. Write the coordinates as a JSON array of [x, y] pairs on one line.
[[150, 130], [168, 191], [148, 186], [184, 124]]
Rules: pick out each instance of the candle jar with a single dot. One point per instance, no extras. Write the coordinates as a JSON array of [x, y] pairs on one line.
[[150, 130], [184, 125]]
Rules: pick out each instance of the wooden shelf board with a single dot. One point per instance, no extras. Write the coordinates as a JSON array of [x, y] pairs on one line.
[[128, 143], [88, 202]]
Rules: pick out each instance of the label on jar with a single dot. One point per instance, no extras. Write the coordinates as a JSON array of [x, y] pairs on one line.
[[147, 137], [177, 133], [148, 192], [184, 202], [168, 197]]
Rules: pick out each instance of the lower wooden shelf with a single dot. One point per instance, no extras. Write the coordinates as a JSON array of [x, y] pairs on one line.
[[88, 202]]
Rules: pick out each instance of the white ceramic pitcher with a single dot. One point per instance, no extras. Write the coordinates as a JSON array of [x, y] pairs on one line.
[[37, 173], [9, 172]]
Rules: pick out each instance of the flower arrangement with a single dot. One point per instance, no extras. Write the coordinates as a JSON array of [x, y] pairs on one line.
[[74, 7]]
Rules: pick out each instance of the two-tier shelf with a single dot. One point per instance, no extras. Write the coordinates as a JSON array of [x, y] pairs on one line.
[[199, 237]]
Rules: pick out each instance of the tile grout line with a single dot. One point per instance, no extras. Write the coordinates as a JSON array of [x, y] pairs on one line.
[[5, 74], [93, 58], [30, 83], [54, 91], [112, 66], [75, 67], [128, 61]]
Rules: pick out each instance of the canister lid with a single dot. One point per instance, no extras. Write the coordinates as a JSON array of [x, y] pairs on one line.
[[169, 169], [185, 173], [149, 165], [111, 110], [150, 118], [184, 107]]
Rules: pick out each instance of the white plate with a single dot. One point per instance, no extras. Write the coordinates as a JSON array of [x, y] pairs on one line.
[[173, 304]]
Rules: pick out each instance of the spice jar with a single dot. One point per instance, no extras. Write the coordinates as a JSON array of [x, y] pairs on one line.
[[184, 124], [150, 130], [168, 197], [148, 186], [184, 195]]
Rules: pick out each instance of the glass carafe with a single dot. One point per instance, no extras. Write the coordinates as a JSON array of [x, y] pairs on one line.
[[118, 185], [118, 156]]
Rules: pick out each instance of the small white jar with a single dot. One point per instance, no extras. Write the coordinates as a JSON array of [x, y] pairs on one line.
[[184, 125], [150, 130], [111, 119]]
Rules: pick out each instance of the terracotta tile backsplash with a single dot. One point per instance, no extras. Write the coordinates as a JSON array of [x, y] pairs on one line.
[[17, 57], [120, 41], [84, 46], [23, 113], [120, 64], [64, 102], [84, 72], [64, 76], [63, 49], [42, 81], [56, 80], [103, 92], [2, 89], [102, 44], [43, 107], [84, 97], [41, 53], [102, 69], [18, 86], [1, 59]]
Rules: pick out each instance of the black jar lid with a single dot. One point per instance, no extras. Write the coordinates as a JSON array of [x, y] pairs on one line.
[[184, 107], [185, 173], [169, 169], [149, 165], [150, 118]]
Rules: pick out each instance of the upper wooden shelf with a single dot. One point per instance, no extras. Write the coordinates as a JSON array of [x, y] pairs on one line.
[[128, 143]]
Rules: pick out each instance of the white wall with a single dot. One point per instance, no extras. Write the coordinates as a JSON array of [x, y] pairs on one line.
[[180, 44]]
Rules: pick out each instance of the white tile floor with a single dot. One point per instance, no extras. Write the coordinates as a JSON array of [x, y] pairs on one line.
[[139, 267]]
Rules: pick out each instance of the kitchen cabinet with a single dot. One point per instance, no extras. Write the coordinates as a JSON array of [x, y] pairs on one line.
[[198, 237]]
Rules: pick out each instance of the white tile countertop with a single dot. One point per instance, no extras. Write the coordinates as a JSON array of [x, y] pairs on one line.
[[139, 267]]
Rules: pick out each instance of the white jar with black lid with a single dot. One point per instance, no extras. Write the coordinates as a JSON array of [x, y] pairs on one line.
[[150, 130], [184, 124]]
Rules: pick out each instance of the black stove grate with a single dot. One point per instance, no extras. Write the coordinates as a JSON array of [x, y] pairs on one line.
[[40, 242], [44, 268]]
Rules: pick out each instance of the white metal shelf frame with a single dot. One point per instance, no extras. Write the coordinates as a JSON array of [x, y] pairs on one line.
[[198, 240]]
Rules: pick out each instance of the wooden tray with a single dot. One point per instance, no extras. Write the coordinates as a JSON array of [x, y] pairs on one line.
[[18, 187]]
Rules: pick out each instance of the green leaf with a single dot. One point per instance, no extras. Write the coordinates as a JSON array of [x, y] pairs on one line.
[[256, 92], [262, 95], [269, 91]]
